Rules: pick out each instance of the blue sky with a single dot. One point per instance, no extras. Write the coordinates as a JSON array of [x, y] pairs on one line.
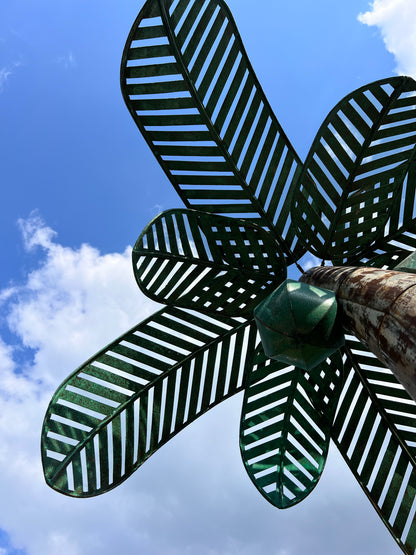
[[78, 185]]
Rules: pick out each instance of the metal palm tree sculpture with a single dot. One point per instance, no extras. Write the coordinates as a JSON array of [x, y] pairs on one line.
[[253, 209]]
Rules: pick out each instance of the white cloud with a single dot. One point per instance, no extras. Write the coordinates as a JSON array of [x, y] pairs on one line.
[[4, 75], [192, 497], [68, 61], [74, 303], [397, 22], [311, 261]]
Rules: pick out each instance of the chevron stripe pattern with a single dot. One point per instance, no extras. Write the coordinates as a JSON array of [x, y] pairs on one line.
[[285, 427], [207, 262], [400, 233], [353, 177], [191, 90], [375, 430], [123, 404]]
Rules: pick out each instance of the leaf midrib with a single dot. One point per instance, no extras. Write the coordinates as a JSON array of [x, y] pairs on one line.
[[199, 262], [135, 396], [367, 141], [379, 406], [219, 142]]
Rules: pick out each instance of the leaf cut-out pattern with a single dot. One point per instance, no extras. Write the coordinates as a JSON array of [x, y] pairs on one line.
[[399, 238], [375, 430], [352, 181], [385, 258], [191, 90], [123, 404], [285, 426], [207, 262]]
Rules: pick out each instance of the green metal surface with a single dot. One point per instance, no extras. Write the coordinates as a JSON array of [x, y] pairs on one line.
[[286, 426], [357, 173], [399, 233], [192, 92], [207, 262], [298, 324], [118, 408], [375, 431], [251, 209], [387, 259]]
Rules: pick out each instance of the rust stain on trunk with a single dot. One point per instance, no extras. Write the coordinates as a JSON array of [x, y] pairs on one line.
[[379, 308]]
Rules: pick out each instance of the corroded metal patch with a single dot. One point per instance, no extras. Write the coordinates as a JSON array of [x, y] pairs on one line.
[[379, 307]]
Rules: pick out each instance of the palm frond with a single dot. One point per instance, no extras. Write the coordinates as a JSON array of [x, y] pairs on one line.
[[375, 431], [387, 258], [285, 426], [353, 179], [191, 90], [118, 408], [207, 262], [400, 231]]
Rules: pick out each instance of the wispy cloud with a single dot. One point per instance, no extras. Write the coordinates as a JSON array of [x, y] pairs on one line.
[[4, 75], [396, 20], [68, 60], [35, 233], [310, 262]]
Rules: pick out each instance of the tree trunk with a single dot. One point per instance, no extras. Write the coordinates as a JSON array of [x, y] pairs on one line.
[[379, 308]]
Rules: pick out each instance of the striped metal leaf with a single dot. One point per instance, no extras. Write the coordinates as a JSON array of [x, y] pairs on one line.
[[124, 403], [352, 182], [191, 90], [386, 258], [207, 262], [285, 426], [375, 430], [400, 232]]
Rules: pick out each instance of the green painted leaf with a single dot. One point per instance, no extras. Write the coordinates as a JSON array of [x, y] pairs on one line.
[[285, 426], [191, 90], [375, 431], [353, 178], [400, 231], [117, 409], [399, 238], [207, 262], [386, 259]]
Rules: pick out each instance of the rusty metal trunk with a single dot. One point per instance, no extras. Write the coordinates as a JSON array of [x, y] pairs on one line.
[[379, 308]]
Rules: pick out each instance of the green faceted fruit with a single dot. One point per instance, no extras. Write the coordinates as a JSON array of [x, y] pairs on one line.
[[298, 324]]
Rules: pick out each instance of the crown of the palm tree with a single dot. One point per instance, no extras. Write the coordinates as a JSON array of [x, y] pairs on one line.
[[252, 209]]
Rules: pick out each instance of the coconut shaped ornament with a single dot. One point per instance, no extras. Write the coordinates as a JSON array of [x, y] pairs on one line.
[[298, 324]]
